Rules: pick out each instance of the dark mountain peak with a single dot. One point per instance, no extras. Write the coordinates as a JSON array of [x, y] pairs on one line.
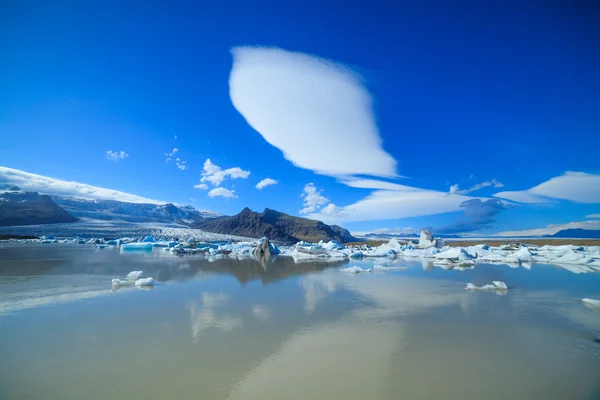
[[577, 233], [275, 225], [30, 208]]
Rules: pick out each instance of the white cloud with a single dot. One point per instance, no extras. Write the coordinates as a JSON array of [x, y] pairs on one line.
[[454, 189], [171, 154], [317, 112], [215, 175], [578, 187], [313, 200], [331, 210], [222, 192], [116, 155], [201, 186], [266, 182], [47, 185], [553, 228], [594, 216], [175, 136], [181, 165], [375, 184], [396, 204]]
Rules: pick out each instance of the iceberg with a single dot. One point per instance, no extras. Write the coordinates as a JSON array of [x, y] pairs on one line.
[[332, 245], [134, 275], [144, 282], [519, 256], [121, 282], [426, 240], [136, 247], [591, 303], [148, 239]]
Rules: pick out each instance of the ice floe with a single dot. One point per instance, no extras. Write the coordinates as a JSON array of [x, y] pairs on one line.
[[133, 278], [591, 303]]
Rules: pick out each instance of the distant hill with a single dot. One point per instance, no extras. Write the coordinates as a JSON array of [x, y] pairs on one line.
[[406, 236], [30, 208], [577, 234], [276, 226], [112, 210]]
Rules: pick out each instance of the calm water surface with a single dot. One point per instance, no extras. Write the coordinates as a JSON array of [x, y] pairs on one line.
[[231, 329]]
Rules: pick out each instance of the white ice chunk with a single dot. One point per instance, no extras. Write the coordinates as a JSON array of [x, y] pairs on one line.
[[333, 245], [500, 284], [136, 246], [121, 282], [144, 282], [591, 302], [134, 275]]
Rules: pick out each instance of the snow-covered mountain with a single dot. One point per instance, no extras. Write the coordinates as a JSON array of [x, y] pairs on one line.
[[112, 210]]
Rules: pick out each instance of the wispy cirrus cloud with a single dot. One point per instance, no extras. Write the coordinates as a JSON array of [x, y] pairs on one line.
[[266, 182], [579, 187], [201, 186], [116, 155], [215, 175], [52, 186], [222, 192]]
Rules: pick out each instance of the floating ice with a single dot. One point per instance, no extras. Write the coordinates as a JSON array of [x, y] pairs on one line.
[[591, 303], [519, 256], [332, 245], [136, 247], [144, 282], [148, 239], [355, 270], [134, 275], [121, 282]]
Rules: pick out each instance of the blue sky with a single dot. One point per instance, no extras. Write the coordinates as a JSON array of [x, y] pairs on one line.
[[504, 93]]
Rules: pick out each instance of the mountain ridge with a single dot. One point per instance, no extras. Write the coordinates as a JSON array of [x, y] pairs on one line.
[[30, 208], [276, 226]]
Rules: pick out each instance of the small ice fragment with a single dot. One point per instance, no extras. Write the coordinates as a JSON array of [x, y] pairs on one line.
[[355, 270], [134, 275], [121, 282], [591, 302], [144, 282], [500, 284]]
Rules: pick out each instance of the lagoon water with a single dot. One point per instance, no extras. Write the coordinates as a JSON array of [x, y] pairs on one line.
[[237, 329]]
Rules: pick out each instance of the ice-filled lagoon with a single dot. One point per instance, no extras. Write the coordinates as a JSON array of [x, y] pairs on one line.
[[226, 328]]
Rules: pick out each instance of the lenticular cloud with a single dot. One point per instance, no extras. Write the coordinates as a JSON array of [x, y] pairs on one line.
[[318, 113]]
